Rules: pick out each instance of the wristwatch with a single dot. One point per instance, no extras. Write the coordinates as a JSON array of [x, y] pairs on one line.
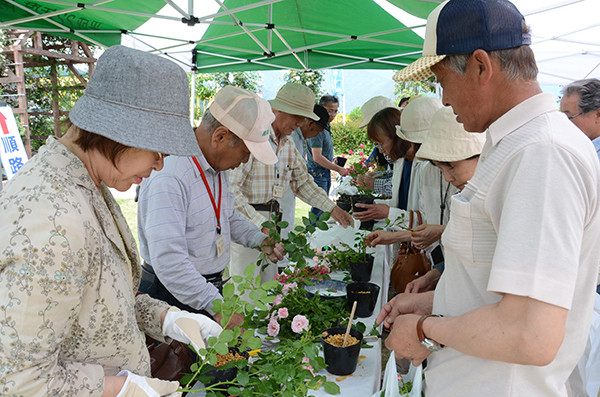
[[427, 343]]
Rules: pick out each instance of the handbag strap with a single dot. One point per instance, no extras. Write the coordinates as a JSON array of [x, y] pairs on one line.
[[410, 219], [419, 217]]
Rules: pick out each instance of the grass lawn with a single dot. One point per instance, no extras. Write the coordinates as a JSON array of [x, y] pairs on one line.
[[129, 208]]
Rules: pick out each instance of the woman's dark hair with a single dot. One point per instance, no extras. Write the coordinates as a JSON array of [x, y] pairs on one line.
[[403, 101], [110, 149], [447, 163], [383, 126]]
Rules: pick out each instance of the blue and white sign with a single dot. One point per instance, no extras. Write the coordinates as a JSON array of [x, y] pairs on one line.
[[12, 151]]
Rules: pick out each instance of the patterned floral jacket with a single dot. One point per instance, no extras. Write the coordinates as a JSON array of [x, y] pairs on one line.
[[69, 271]]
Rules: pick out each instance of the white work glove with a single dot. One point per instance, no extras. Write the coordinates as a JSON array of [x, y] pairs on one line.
[[140, 386], [189, 328]]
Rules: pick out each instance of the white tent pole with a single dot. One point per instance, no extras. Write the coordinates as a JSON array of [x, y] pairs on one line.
[[290, 48], [193, 97], [240, 24], [177, 8], [551, 7], [37, 16], [270, 32], [191, 7]]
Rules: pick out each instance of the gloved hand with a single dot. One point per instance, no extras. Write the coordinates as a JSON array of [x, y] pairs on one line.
[[140, 386], [190, 328]]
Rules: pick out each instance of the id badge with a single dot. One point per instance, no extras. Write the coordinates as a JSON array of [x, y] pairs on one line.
[[220, 246], [278, 191]]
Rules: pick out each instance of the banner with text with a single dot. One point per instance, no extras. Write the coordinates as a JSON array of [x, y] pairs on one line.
[[12, 150]]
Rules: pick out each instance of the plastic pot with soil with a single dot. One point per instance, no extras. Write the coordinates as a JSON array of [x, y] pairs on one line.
[[365, 295], [361, 271], [341, 360], [362, 199]]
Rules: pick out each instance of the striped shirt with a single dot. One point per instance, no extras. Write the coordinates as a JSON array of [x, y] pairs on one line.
[[253, 182], [177, 228]]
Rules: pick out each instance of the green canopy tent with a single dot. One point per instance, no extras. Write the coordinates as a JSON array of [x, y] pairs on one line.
[[241, 34]]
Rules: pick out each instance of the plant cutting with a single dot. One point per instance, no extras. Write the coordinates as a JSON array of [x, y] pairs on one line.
[[274, 372]]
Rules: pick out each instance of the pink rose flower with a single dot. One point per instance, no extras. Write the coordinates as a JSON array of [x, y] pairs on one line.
[[350, 152], [273, 327], [277, 300], [282, 313], [299, 324], [362, 145], [361, 152], [343, 155], [289, 287]]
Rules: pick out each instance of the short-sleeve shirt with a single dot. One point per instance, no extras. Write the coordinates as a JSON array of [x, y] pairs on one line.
[[526, 224], [324, 142]]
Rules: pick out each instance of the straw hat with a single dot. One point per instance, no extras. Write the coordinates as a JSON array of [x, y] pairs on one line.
[[296, 99], [139, 100], [248, 116], [373, 106], [448, 141], [416, 119]]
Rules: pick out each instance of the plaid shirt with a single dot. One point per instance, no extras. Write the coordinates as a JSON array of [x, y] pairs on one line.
[[253, 182]]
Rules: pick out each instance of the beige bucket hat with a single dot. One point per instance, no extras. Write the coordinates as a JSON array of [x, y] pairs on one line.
[[448, 141], [373, 106], [416, 119], [296, 99]]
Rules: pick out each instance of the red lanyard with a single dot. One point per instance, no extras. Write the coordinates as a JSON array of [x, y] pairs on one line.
[[212, 198]]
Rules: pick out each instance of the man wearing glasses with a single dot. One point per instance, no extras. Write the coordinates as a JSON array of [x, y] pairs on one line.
[[581, 104]]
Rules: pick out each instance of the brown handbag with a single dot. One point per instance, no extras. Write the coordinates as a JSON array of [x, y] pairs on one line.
[[169, 361], [410, 263]]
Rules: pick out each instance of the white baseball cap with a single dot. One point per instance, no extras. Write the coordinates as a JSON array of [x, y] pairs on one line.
[[248, 116]]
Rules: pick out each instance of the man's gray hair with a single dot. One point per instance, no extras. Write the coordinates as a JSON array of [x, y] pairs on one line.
[[517, 63], [210, 124], [589, 91]]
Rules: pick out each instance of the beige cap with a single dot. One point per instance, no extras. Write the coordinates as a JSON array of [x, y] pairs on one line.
[[373, 106], [416, 119], [248, 116], [448, 141], [296, 99]]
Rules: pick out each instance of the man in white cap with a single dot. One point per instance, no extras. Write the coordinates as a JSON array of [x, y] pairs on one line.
[[258, 187], [521, 260], [186, 214]]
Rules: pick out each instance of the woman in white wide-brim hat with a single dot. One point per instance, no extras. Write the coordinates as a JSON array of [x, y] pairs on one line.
[[69, 266], [456, 153]]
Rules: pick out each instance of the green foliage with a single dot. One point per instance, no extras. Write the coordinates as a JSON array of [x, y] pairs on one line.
[[347, 138], [313, 80], [207, 85], [413, 88], [355, 115]]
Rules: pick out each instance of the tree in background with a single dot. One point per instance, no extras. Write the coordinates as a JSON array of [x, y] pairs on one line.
[[207, 85], [413, 88], [313, 80]]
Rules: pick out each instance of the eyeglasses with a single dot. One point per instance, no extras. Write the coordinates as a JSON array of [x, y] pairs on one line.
[[381, 145], [572, 117], [332, 112]]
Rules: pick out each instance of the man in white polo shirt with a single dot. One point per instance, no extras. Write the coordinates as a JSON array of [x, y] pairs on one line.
[[522, 241]]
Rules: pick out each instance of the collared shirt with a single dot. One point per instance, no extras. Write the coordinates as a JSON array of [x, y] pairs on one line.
[[177, 228], [69, 271], [596, 143], [253, 182], [383, 184], [526, 224], [299, 142]]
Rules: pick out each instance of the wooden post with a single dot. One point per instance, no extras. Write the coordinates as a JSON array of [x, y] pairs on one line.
[[24, 116], [55, 106]]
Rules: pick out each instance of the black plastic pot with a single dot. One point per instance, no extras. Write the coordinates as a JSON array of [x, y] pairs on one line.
[[225, 375], [344, 202], [341, 161], [341, 360], [367, 225], [361, 271], [365, 295]]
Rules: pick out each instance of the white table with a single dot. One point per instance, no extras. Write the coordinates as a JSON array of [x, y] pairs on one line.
[[367, 378]]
